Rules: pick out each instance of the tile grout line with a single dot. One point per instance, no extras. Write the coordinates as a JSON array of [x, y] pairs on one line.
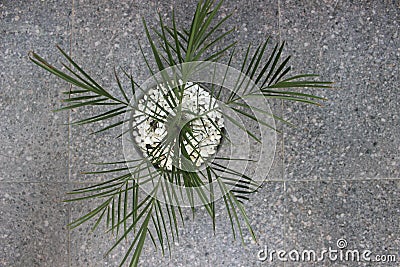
[[266, 181], [282, 146]]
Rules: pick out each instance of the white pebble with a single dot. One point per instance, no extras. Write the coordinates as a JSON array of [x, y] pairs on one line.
[[197, 101]]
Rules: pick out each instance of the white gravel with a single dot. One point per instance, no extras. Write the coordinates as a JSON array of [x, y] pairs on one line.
[[149, 132]]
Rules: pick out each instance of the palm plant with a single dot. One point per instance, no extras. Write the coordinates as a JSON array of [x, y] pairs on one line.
[[179, 54]]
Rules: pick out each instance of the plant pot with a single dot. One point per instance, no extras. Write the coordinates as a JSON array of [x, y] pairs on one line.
[[158, 126], [152, 121]]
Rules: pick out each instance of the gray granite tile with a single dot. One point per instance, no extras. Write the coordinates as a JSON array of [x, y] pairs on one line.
[[95, 39], [277, 170], [106, 35], [88, 247], [33, 222], [253, 21], [363, 213], [355, 44], [197, 244], [265, 213], [33, 138]]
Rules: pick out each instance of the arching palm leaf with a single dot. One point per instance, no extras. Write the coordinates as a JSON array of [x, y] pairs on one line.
[[134, 216]]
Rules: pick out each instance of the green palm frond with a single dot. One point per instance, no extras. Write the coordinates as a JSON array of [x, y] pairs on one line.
[[133, 216]]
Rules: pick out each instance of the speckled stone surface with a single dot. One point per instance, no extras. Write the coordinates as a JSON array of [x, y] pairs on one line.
[[33, 222], [363, 213], [106, 35], [356, 44], [335, 176], [33, 140], [103, 35], [197, 244]]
